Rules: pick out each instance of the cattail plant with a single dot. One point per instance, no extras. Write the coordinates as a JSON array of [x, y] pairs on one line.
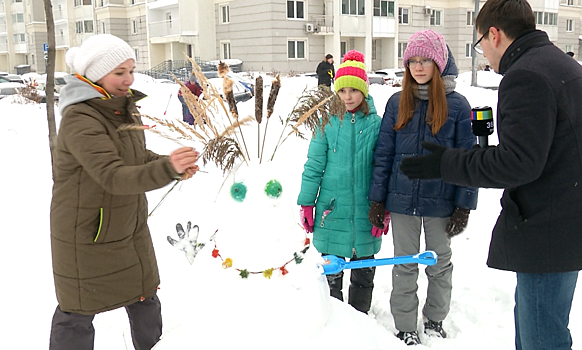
[[275, 86], [259, 110]]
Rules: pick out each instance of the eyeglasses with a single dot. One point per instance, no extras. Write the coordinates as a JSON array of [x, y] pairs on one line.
[[423, 63], [477, 46]]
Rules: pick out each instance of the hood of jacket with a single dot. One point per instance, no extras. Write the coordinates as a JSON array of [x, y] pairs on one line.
[[451, 66], [77, 91]]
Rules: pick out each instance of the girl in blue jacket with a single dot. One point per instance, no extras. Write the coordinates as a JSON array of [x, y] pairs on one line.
[[427, 109], [336, 180]]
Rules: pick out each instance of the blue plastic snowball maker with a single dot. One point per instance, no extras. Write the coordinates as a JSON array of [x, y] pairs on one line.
[[333, 264]]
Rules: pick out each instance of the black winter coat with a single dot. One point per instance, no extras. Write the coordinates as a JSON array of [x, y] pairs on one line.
[[538, 160], [325, 73]]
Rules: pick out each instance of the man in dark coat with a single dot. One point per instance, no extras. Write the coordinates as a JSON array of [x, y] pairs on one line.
[[539, 164], [325, 71]]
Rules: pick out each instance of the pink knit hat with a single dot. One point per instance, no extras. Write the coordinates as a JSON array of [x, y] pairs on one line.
[[429, 44]]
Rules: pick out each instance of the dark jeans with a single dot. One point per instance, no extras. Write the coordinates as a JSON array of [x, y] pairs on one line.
[[361, 286], [75, 331], [542, 310]]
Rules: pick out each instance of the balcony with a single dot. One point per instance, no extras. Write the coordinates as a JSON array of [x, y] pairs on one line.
[[322, 24], [165, 28], [162, 4], [21, 47], [61, 41]]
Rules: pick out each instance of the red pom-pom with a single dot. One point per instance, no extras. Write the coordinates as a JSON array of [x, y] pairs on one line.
[[354, 55]]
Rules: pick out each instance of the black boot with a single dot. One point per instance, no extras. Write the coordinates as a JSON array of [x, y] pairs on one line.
[[335, 283], [361, 287]]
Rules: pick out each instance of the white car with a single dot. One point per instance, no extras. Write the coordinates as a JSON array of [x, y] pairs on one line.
[[392, 76], [59, 81]]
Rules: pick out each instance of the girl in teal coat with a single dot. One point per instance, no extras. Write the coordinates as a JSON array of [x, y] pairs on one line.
[[336, 180]]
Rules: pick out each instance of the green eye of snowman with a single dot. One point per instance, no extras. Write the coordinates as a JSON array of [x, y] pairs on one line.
[[273, 189], [238, 191]]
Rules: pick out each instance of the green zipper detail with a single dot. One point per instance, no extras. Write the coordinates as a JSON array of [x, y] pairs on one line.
[[100, 223]]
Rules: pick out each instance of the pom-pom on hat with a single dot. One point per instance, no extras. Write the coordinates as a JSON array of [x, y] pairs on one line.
[[98, 56], [429, 44], [352, 73]]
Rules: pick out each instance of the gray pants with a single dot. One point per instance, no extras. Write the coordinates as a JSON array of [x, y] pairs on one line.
[[75, 331], [406, 232]]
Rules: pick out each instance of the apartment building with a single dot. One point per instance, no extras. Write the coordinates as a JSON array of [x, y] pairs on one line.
[[267, 35]]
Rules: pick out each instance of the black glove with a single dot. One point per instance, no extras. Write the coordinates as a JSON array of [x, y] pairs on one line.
[[376, 214], [458, 222], [424, 167]]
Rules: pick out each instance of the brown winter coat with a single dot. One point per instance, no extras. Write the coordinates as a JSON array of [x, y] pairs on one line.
[[102, 252]]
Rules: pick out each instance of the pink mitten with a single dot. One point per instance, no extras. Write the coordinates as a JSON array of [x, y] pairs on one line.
[[306, 217], [377, 232]]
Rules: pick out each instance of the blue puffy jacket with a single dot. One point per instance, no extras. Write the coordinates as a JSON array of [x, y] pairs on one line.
[[430, 198]]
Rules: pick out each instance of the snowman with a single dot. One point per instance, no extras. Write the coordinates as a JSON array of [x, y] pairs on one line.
[[276, 296]]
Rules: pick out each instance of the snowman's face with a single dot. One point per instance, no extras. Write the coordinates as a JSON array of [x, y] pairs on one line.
[[253, 206]]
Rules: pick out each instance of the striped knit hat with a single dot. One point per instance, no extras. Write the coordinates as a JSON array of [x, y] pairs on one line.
[[429, 44], [352, 73]]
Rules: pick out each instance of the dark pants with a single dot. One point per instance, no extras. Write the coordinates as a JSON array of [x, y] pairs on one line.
[[75, 331], [187, 117], [542, 310], [361, 286]]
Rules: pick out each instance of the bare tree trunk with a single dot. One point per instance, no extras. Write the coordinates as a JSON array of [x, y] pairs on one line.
[[50, 77]]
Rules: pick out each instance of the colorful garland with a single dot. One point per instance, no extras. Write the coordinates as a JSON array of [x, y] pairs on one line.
[[267, 273]]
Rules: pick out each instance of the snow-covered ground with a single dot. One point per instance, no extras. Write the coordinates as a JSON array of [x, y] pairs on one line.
[[481, 315]]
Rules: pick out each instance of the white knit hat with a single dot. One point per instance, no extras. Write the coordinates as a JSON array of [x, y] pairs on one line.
[[98, 56]]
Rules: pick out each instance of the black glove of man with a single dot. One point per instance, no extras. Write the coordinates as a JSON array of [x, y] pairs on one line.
[[458, 222], [376, 214], [424, 167]]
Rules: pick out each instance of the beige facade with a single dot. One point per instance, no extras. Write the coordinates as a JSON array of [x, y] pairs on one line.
[[266, 35]]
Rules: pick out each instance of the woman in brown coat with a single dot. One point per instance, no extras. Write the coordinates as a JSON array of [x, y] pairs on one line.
[[102, 252]]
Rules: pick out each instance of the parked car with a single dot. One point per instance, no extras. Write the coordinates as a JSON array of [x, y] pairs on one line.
[[392, 75], [241, 93], [11, 78], [244, 82], [376, 79], [59, 81], [7, 89]]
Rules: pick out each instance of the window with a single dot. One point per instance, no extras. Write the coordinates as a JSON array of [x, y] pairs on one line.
[[401, 48], [550, 18], [103, 27], [224, 14], [374, 49], [353, 7], [33, 60], [343, 48], [19, 38], [470, 18], [78, 2], [468, 50], [539, 17], [134, 26], [86, 2], [383, 8], [225, 50], [136, 53], [435, 17], [296, 9], [18, 18], [403, 15], [569, 25], [568, 48], [88, 25], [79, 27], [296, 49], [571, 2]]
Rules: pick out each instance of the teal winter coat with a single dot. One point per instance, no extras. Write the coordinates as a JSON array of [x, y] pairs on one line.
[[336, 179]]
